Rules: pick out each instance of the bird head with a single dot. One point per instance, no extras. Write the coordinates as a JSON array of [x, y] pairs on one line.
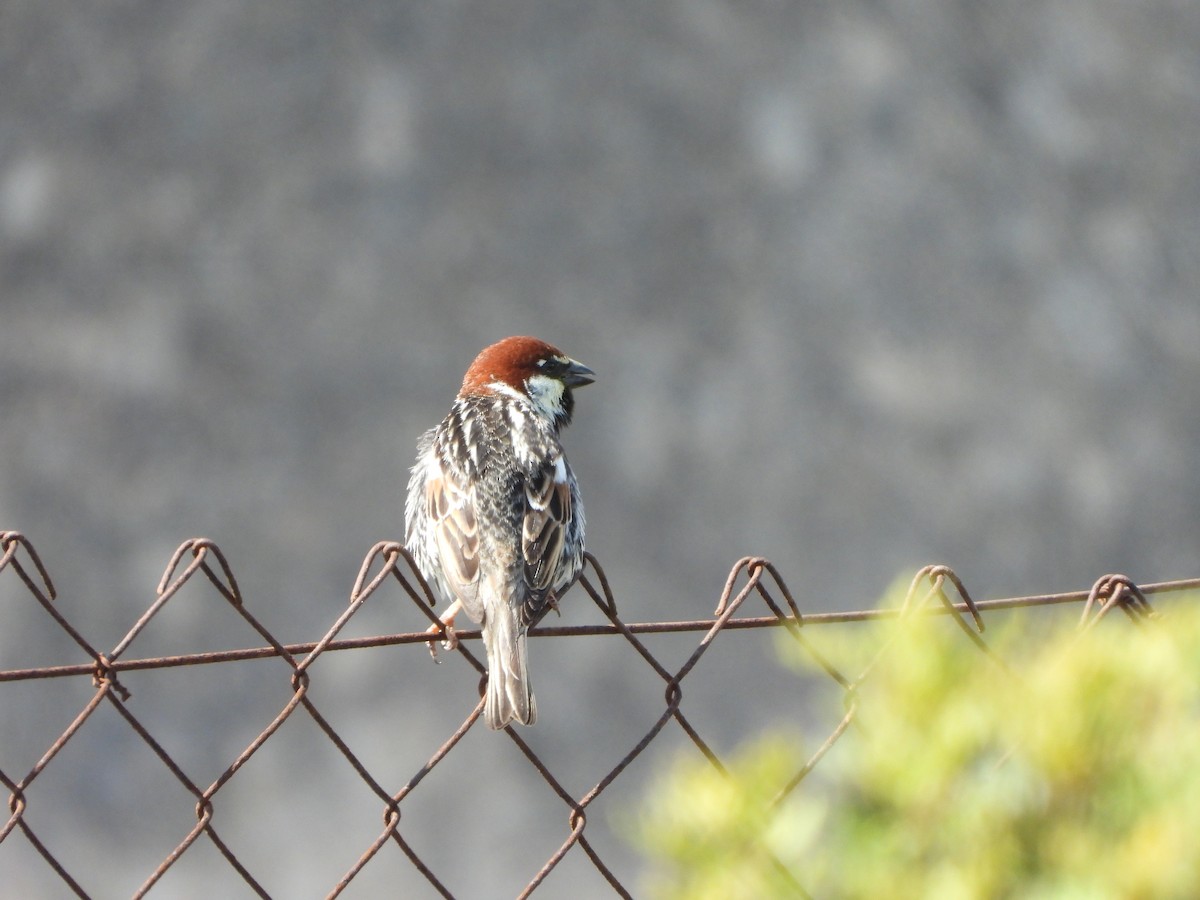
[[532, 369]]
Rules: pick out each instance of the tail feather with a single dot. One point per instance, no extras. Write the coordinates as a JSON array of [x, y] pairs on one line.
[[509, 694]]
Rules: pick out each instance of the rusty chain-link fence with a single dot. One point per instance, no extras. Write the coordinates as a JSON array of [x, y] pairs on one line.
[[213, 824]]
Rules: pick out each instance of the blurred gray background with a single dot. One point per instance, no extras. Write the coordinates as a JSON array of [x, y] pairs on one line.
[[867, 285]]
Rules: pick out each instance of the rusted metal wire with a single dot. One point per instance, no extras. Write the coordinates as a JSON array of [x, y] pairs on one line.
[[935, 590]]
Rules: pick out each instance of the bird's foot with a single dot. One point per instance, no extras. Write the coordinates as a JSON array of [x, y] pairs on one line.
[[447, 628]]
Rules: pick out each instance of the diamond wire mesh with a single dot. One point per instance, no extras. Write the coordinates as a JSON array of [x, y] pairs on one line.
[[935, 589]]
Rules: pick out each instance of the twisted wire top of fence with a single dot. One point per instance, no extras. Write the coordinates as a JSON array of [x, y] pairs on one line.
[[934, 590]]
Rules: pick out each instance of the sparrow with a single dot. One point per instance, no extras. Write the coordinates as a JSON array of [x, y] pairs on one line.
[[493, 518]]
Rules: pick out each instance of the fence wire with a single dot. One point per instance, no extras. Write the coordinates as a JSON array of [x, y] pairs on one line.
[[934, 590]]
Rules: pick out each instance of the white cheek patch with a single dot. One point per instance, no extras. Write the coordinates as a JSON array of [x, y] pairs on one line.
[[546, 394]]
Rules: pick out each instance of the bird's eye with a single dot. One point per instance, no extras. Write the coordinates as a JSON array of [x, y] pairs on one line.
[[552, 365]]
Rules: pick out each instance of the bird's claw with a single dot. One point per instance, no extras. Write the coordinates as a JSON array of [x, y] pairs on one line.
[[450, 642], [444, 628]]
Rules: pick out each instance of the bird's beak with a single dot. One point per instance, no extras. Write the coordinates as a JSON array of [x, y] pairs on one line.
[[577, 375]]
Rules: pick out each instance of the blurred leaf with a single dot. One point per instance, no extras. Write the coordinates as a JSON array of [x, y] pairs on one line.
[[1066, 770]]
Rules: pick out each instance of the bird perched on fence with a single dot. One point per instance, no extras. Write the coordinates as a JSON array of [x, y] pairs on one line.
[[494, 518]]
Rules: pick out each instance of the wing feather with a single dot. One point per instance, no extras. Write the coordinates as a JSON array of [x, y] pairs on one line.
[[547, 512], [455, 525]]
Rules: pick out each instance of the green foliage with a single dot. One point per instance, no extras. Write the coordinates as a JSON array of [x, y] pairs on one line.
[[1069, 770], [710, 832]]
